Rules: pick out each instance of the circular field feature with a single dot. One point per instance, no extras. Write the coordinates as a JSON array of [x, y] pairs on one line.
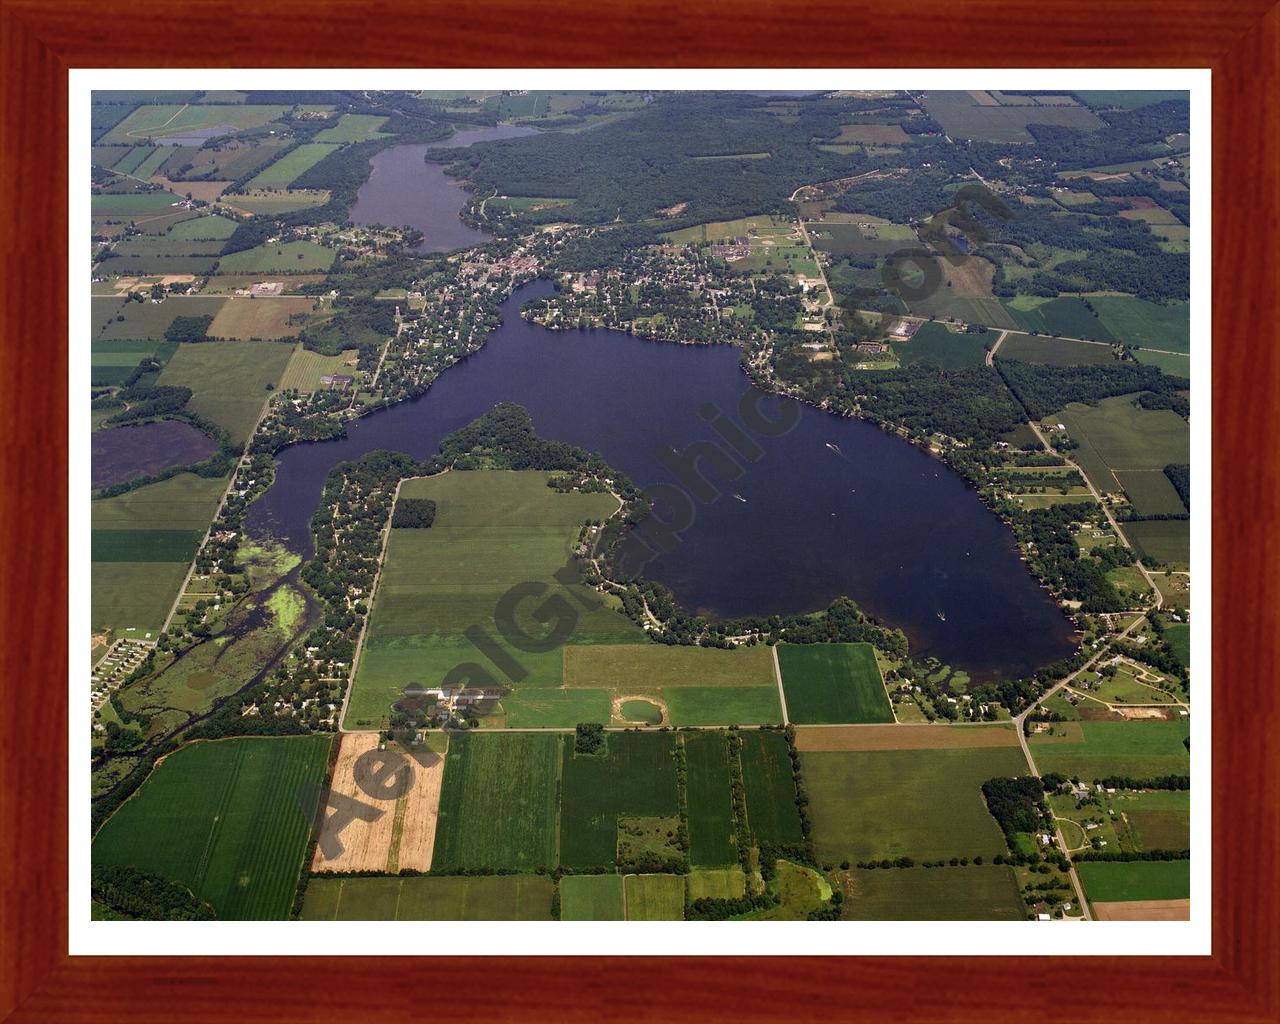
[[641, 711]]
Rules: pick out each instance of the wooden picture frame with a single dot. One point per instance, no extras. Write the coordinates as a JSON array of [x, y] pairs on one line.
[[42, 39]]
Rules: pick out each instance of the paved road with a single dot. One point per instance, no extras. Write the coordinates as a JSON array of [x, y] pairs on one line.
[[1020, 724]]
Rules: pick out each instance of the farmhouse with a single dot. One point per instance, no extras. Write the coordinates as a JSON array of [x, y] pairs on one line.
[[902, 330]]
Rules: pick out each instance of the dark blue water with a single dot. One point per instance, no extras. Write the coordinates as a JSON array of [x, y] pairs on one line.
[[404, 189], [878, 520]]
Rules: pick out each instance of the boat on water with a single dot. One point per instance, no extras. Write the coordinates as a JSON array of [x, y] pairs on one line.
[[740, 497]]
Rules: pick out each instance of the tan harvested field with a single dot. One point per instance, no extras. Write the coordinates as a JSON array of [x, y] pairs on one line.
[[267, 317], [969, 277], [205, 191], [128, 284], [816, 739], [1144, 910], [404, 835]]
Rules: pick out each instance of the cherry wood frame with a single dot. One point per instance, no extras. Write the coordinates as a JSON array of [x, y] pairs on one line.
[[41, 39]]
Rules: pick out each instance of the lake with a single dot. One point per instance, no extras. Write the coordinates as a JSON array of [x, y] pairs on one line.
[[834, 506], [125, 453], [404, 189]]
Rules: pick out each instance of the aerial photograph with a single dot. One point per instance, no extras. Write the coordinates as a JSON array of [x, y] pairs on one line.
[[533, 505]]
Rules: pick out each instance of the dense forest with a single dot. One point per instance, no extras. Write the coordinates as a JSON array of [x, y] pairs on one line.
[[657, 159]]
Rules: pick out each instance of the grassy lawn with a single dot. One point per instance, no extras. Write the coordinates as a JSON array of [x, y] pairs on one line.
[[1118, 881], [591, 898], [985, 893], [223, 819], [924, 804], [427, 898], [228, 380], [833, 683], [1095, 750]]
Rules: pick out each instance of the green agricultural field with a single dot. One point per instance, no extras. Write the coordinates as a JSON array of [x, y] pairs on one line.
[[1151, 492], [145, 545], [154, 265], [136, 596], [1067, 317], [430, 898], [354, 128], [924, 804], [493, 530], [1161, 819], [655, 897], [162, 121], [306, 368], [281, 258], [146, 320], [752, 228], [228, 380], [183, 502], [204, 227], [772, 814], [1096, 750], [1146, 324], [934, 344], [833, 683], [283, 172], [710, 803], [723, 705], [985, 893], [275, 201], [133, 598], [591, 898], [634, 777], [1164, 541], [112, 362], [1126, 881], [1118, 434], [1179, 639], [1173, 366], [159, 248], [1054, 351], [698, 685], [133, 205], [716, 883], [223, 818], [498, 804]]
